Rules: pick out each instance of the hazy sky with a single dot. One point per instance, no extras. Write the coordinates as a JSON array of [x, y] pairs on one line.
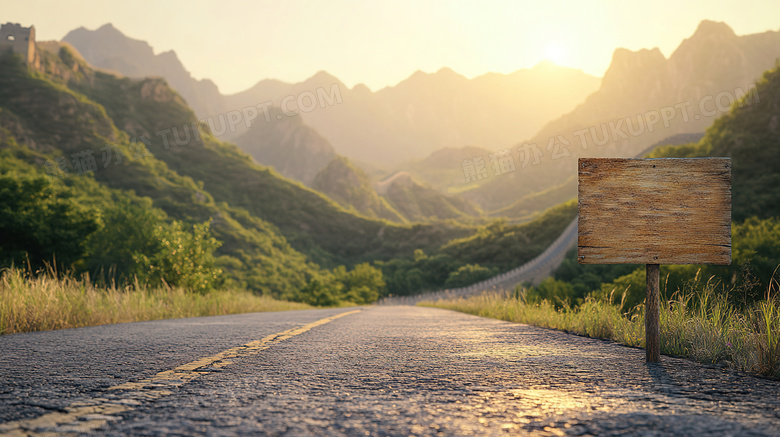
[[381, 43]]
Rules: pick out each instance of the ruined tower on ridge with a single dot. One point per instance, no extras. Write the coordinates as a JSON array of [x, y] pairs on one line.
[[20, 40]]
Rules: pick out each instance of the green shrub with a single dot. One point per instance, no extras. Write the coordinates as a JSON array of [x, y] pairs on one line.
[[628, 290], [127, 232], [552, 290], [469, 274], [361, 285], [182, 258], [41, 223], [320, 292]]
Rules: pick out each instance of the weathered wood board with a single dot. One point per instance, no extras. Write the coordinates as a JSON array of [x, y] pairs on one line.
[[654, 211]]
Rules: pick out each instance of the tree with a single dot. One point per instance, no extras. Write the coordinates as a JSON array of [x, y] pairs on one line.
[[128, 231], [41, 223], [362, 284]]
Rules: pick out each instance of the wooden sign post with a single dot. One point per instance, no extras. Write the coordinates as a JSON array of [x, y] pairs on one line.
[[653, 212]]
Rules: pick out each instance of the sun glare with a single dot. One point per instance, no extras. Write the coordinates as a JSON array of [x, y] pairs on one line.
[[555, 52]]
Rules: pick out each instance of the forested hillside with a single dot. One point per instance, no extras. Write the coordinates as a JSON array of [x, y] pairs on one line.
[[101, 154]]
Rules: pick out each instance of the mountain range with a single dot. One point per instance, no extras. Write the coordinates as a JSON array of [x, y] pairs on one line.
[[429, 111], [626, 114], [420, 124], [423, 113]]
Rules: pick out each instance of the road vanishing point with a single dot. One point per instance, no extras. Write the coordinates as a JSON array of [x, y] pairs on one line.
[[381, 370]]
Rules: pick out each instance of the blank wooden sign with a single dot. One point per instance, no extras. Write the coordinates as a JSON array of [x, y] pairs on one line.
[[654, 211]]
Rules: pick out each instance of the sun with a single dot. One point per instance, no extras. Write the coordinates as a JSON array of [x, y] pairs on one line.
[[556, 53]]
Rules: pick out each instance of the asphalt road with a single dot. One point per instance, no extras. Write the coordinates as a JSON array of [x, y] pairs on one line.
[[378, 371]]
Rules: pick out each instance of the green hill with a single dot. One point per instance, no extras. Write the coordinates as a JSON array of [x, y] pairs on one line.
[[443, 169], [351, 188], [421, 203], [494, 248], [532, 205], [399, 198], [43, 121], [289, 146]]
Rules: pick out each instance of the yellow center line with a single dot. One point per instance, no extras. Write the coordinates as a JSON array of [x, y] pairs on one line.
[[86, 416]]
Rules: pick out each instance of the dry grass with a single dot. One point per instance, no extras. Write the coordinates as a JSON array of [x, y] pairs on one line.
[[45, 302], [696, 323]]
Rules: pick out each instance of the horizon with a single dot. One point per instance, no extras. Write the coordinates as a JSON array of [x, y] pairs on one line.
[[457, 36]]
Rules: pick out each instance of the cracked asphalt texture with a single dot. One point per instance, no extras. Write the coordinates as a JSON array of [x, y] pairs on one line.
[[383, 371]]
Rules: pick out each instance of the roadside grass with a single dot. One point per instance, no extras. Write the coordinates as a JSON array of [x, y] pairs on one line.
[[45, 302], [696, 323]]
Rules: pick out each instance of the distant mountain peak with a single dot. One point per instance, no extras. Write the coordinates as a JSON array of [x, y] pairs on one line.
[[545, 64], [104, 36], [709, 33], [447, 71], [417, 75], [621, 55], [169, 54], [108, 26], [713, 29], [627, 64], [361, 88], [323, 74], [322, 77], [443, 74], [109, 31]]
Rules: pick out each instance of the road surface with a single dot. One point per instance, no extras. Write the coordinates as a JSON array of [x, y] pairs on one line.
[[371, 371]]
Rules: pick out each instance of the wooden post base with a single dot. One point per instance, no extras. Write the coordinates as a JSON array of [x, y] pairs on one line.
[[653, 315]]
